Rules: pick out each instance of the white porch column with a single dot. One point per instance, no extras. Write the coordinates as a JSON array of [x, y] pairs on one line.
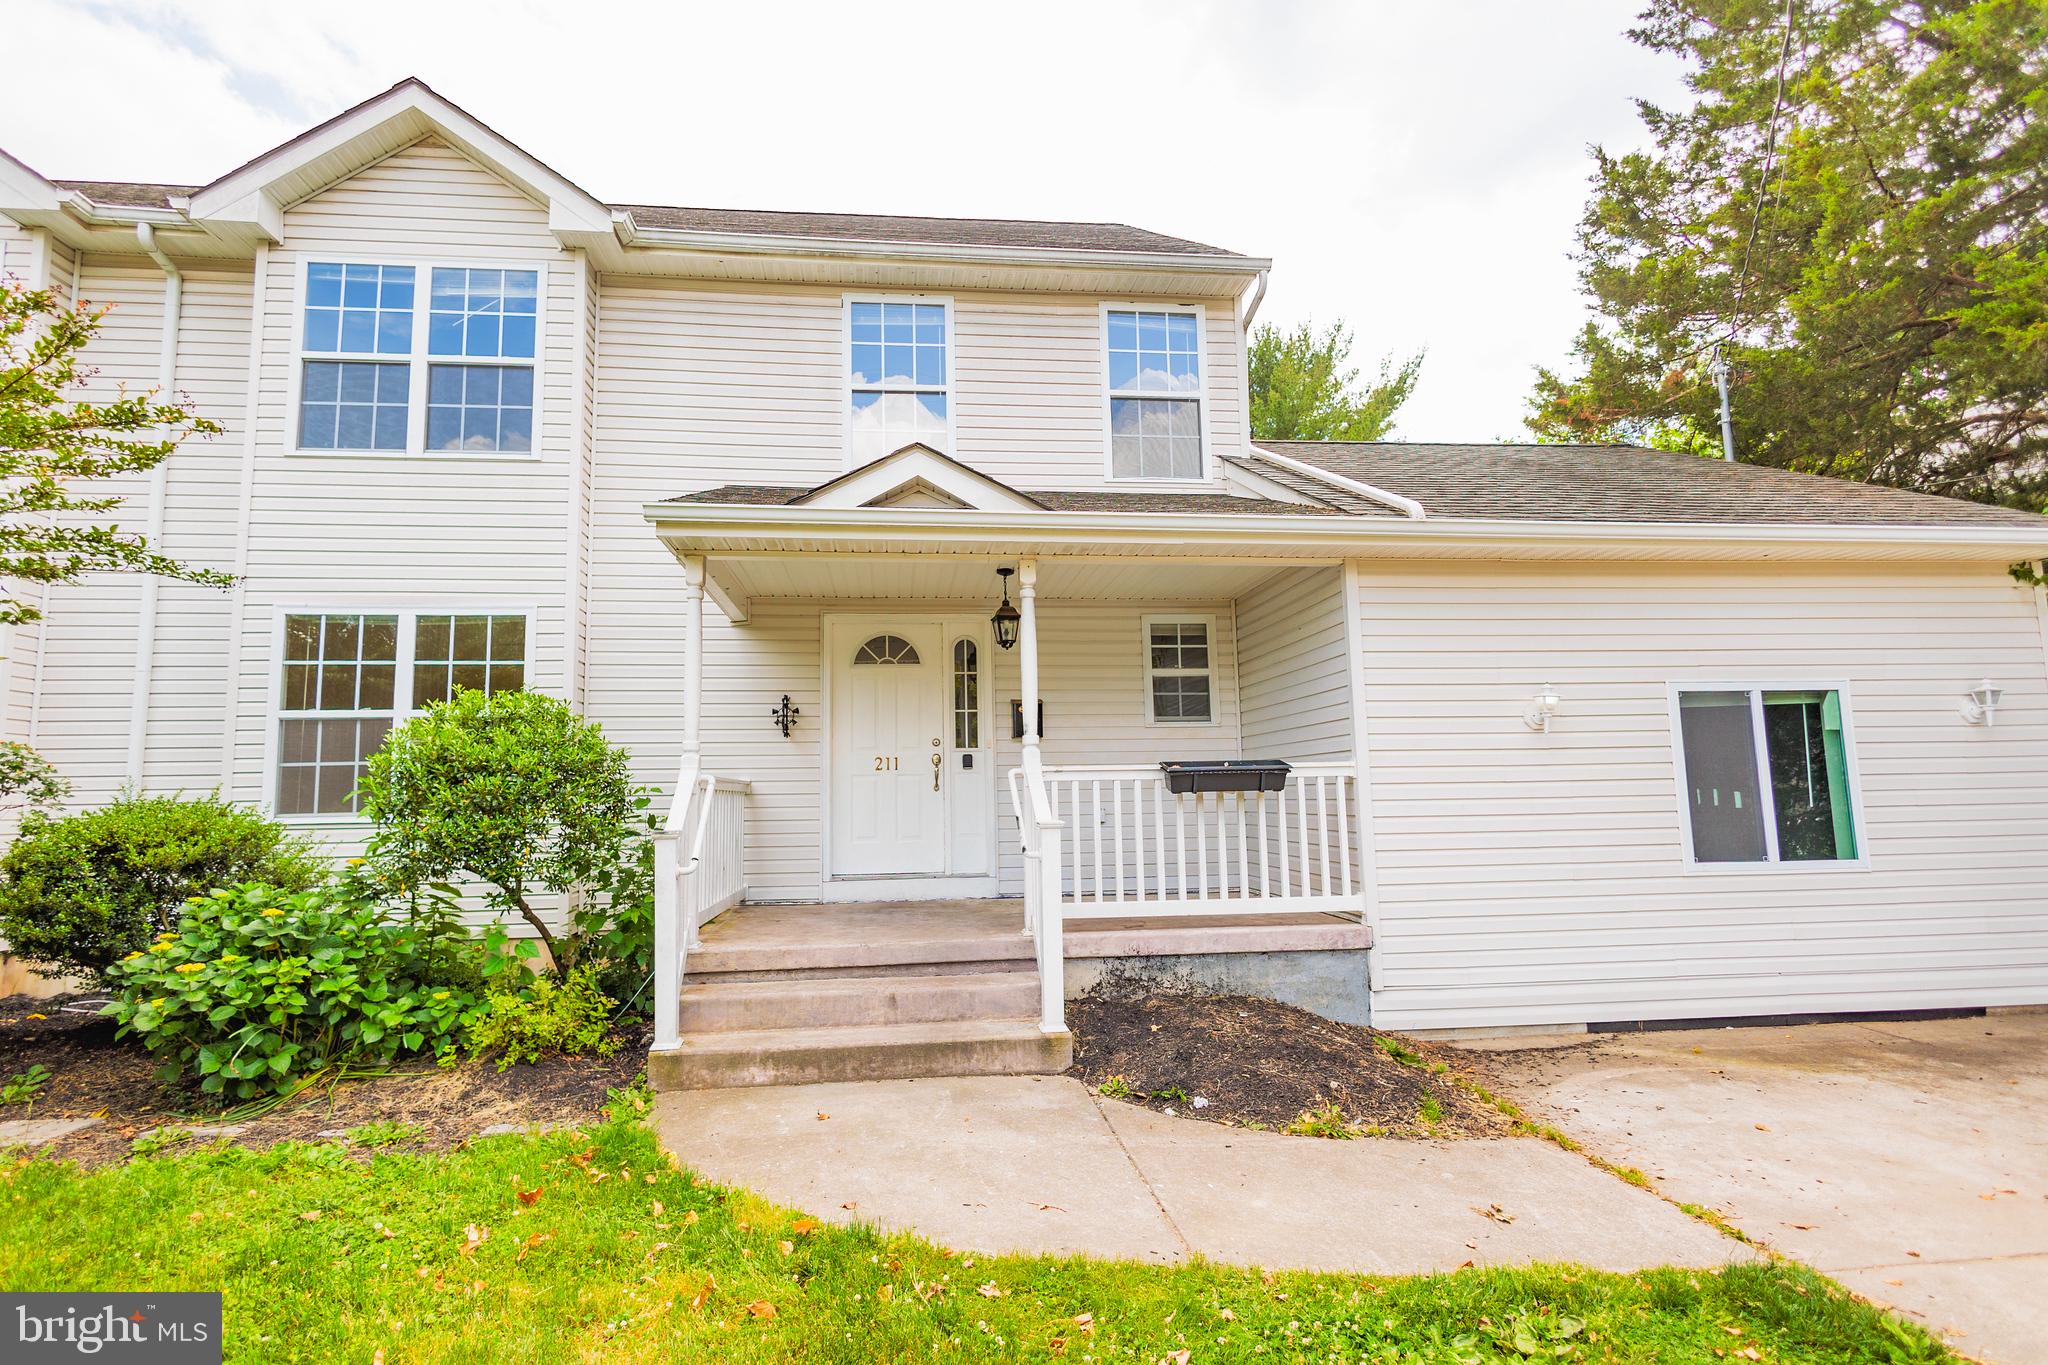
[[1027, 646], [673, 931]]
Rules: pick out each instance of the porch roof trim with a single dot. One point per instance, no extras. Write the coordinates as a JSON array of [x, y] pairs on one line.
[[701, 527]]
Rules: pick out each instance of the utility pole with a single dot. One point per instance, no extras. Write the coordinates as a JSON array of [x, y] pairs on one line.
[[1719, 369]]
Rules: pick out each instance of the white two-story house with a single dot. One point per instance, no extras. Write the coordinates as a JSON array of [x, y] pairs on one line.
[[903, 552]]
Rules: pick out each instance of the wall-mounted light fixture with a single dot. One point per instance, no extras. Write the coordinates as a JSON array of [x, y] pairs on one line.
[[1980, 704], [1542, 707], [785, 716], [1006, 618]]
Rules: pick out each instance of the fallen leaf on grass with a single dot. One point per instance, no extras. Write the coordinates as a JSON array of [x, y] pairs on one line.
[[1085, 1321], [531, 1242], [476, 1237], [656, 1250], [1227, 1315], [657, 1208], [311, 1215], [804, 1227], [527, 1196], [990, 1290], [1179, 1357], [703, 1294], [886, 1293], [689, 1218], [761, 1309], [786, 1247]]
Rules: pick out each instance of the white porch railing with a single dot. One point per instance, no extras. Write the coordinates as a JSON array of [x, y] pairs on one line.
[[700, 863], [1133, 848]]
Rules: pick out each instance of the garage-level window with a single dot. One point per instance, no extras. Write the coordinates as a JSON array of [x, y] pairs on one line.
[[1179, 670], [345, 678], [1767, 775]]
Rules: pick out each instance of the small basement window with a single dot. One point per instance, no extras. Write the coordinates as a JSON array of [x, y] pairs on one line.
[[1767, 776], [1179, 672]]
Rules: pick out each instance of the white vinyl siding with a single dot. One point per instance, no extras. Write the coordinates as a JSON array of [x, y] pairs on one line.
[[464, 533], [1532, 879], [1296, 676]]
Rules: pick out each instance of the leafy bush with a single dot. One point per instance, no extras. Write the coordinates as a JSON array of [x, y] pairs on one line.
[[511, 789], [259, 987], [570, 1017], [26, 776], [615, 927], [80, 892]]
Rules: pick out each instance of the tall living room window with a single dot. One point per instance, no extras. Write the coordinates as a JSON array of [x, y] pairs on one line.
[[398, 359], [346, 678]]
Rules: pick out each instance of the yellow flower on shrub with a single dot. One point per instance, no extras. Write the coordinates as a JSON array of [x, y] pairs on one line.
[[131, 957], [228, 959], [189, 967], [160, 1001], [272, 912]]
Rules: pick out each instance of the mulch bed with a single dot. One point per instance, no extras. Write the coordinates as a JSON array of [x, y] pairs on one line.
[[93, 1074], [1259, 1063]]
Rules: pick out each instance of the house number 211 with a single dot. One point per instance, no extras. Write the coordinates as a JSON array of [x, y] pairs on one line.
[[885, 765]]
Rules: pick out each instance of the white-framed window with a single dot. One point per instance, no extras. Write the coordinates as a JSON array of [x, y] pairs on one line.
[[899, 366], [411, 358], [345, 678], [1180, 670], [1766, 775], [1153, 360], [966, 694]]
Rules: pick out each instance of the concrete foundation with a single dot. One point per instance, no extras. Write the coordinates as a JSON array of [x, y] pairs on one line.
[[1329, 983]]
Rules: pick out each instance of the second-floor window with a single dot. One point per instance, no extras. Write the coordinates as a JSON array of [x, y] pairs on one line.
[[1155, 393], [387, 366], [897, 373]]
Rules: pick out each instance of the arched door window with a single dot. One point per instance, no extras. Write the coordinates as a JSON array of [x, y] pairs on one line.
[[966, 695], [886, 649]]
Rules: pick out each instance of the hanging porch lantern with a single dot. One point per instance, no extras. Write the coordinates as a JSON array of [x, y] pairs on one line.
[[1006, 618]]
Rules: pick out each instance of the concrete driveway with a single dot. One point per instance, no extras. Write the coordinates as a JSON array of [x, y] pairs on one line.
[[1907, 1160], [1038, 1164]]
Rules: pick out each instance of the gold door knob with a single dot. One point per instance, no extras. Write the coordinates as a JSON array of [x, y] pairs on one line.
[[937, 763]]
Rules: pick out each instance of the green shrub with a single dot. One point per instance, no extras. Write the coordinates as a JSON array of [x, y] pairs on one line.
[[510, 789], [259, 987], [29, 778], [570, 1017], [80, 892]]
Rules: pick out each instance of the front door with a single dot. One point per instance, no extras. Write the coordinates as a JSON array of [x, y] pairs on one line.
[[888, 749]]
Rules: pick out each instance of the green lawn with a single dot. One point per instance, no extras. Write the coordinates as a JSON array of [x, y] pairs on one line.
[[590, 1247]]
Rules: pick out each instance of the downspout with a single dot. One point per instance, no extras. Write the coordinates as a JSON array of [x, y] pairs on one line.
[[159, 483], [1258, 297]]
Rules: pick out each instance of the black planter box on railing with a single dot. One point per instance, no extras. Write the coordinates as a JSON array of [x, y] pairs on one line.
[[1226, 775]]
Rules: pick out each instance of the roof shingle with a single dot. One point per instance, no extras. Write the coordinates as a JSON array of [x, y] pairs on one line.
[[1625, 483]]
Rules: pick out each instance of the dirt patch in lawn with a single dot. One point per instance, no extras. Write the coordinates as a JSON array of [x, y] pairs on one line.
[[1241, 1060], [94, 1075]]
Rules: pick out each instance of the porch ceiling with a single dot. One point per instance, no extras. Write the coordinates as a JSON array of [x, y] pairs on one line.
[[971, 579]]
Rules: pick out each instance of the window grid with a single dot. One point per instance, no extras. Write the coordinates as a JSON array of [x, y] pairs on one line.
[[340, 676], [345, 676], [887, 649], [1155, 394], [481, 653], [469, 322], [1178, 671], [897, 375], [966, 695]]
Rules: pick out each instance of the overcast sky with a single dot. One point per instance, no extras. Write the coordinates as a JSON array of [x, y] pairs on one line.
[[1415, 169]]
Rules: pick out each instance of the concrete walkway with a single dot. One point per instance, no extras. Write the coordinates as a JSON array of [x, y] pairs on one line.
[[1907, 1160], [1038, 1164]]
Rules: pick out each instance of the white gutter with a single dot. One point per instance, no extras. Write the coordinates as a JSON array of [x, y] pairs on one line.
[[1407, 507], [159, 486], [120, 215], [1346, 533], [631, 233], [1259, 297]]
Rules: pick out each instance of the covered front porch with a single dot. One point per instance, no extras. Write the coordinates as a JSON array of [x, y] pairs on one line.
[[967, 732]]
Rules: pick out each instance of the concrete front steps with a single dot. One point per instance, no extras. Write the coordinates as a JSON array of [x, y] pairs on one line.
[[856, 995]]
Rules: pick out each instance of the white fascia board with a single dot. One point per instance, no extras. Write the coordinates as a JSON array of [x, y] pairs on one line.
[[22, 190], [569, 208], [1193, 531], [848, 248]]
